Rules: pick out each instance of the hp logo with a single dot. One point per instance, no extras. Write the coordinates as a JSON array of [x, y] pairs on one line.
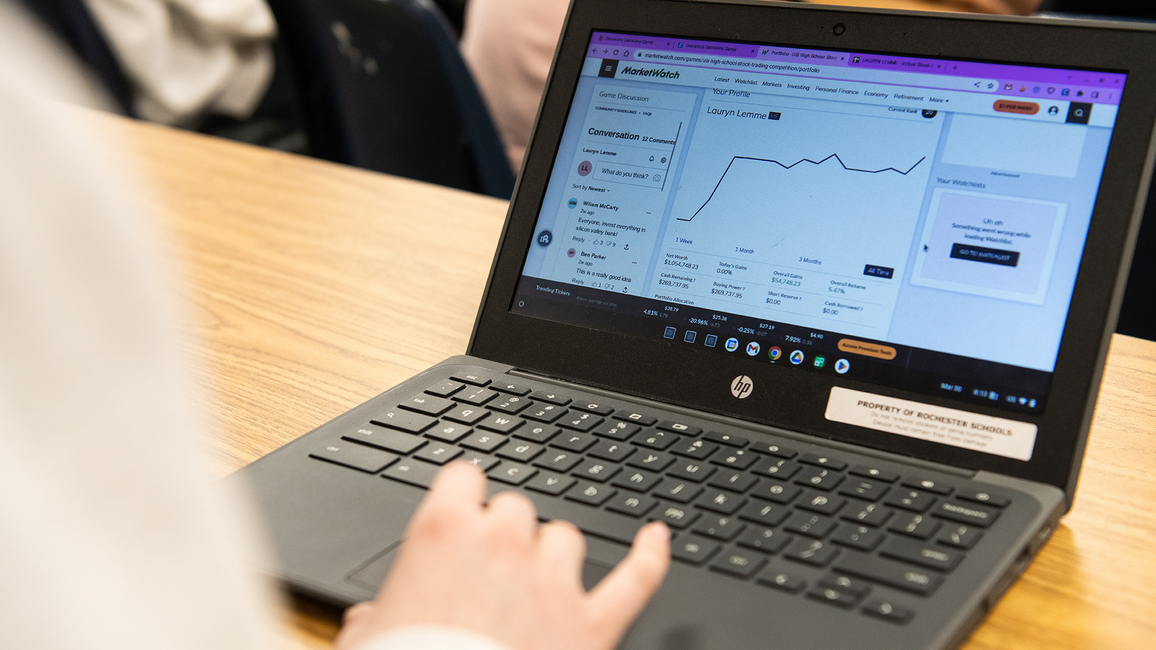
[[742, 386]]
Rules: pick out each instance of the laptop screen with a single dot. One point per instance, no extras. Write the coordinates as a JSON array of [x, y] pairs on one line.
[[910, 222]]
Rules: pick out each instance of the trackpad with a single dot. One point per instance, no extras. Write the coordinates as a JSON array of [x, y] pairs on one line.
[[592, 574], [371, 573]]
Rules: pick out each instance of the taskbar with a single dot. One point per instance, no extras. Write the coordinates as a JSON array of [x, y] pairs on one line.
[[1007, 387]]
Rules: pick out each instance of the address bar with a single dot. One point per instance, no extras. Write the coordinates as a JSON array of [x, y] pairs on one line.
[[831, 72]]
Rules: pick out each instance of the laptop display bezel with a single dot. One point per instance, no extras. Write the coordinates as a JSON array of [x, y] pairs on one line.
[[796, 401]]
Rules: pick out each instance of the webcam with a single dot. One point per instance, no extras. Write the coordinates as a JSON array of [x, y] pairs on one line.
[[838, 29]]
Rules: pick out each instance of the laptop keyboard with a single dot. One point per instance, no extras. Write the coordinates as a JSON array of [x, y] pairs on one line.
[[749, 509]]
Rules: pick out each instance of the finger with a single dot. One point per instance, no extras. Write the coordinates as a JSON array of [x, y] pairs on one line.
[[358, 611], [457, 490], [513, 516], [620, 597], [561, 551]]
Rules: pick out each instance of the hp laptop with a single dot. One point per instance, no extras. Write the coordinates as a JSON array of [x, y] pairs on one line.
[[827, 291]]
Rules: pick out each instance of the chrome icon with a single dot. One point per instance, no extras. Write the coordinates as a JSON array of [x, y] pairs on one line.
[[775, 352]]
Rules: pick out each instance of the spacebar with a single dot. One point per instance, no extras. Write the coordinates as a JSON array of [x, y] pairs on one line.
[[594, 522]]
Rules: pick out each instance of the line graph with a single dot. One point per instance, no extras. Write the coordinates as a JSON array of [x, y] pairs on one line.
[[792, 165]]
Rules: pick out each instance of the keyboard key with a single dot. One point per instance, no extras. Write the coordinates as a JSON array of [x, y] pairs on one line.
[[833, 596], [813, 552], [356, 456], [550, 396], [466, 376], [637, 480], [657, 439], [867, 471], [611, 450], [449, 432], [921, 553], [679, 427], [724, 528], [920, 526], [545, 412], [697, 449], [384, 438], [692, 471], [823, 479], [596, 470], [871, 514], [823, 461], [479, 460], [866, 490], [559, 461], [412, 471], [427, 404], [655, 461], [965, 513], [475, 396], [637, 418], [438, 453], [466, 414], [860, 537], [634, 505], [404, 420], [676, 490], [927, 485], [765, 513], [579, 421], [734, 481], [512, 473], [501, 423], [592, 407], [510, 405], [513, 389], [577, 442], [590, 493], [810, 525], [774, 450], [825, 504], [854, 586], [776, 468], [889, 572], [692, 549], [738, 562], [550, 483], [726, 439], [617, 430], [536, 433], [986, 498], [912, 500], [720, 501], [734, 458], [774, 576], [764, 539], [483, 441], [523, 452], [776, 491], [888, 611], [445, 388], [959, 536], [676, 516]]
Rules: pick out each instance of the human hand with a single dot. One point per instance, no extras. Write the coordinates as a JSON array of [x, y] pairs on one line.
[[1021, 7], [492, 570]]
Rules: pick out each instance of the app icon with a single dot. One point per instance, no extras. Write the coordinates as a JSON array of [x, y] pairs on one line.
[[1031, 403], [545, 237], [820, 361], [670, 332], [689, 338], [775, 352], [1065, 92], [1007, 86], [797, 357], [753, 348], [732, 344], [842, 366], [711, 340]]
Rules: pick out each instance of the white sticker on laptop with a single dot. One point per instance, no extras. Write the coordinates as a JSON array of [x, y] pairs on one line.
[[940, 424]]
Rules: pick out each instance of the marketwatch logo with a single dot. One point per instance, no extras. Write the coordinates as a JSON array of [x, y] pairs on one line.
[[653, 72]]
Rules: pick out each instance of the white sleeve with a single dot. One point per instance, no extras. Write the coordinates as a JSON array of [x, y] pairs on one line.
[[428, 637]]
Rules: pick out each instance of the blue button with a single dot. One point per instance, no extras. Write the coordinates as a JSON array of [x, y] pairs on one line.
[[670, 332], [711, 340], [690, 334]]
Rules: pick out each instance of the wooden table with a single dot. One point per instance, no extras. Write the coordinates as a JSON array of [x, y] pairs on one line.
[[312, 287]]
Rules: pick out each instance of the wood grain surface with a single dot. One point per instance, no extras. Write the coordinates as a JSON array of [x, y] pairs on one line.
[[311, 287]]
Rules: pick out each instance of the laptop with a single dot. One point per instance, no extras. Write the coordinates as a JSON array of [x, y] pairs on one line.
[[828, 291]]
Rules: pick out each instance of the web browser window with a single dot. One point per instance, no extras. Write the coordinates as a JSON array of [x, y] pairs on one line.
[[917, 223]]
